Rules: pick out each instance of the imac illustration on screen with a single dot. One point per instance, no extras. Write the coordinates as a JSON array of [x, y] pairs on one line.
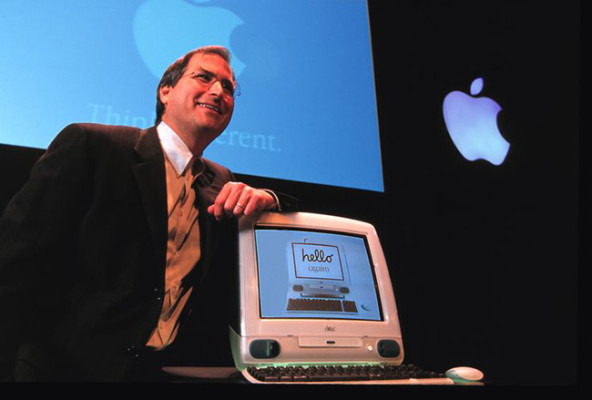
[[319, 278]]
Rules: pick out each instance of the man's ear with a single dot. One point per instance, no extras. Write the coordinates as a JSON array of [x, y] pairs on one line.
[[164, 93]]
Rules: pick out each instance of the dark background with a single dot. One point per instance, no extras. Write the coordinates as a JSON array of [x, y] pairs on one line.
[[484, 259]]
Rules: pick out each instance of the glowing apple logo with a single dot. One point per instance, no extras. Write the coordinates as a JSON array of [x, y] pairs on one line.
[[164, 30], [472, 125]]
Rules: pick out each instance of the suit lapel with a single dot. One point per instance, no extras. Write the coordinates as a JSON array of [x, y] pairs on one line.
[[151, 179], [207, 190]]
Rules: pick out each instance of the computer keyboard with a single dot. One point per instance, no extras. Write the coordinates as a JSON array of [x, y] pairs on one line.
[[321, 305], [334, 373]]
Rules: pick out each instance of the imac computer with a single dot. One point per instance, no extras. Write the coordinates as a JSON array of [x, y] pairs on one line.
[[314, 290]]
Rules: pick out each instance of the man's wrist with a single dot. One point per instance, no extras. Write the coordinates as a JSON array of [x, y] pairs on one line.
[[275, 206]]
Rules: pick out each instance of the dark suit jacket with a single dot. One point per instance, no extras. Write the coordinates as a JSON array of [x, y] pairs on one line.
[[82, 256]]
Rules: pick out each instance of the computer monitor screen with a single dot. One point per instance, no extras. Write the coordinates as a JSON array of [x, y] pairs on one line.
[[315, 274]]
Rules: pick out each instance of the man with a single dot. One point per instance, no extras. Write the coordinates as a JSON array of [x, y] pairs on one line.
[[118, 256]]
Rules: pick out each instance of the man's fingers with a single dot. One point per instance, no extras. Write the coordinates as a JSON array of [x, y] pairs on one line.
[[237, 199], [218, 206], [243, 203], [225, 203]]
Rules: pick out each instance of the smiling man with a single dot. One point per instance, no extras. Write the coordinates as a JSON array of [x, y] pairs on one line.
[[195, 98], [118, 256]]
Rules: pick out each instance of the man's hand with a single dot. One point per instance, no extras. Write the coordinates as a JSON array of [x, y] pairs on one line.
[[237, 199]]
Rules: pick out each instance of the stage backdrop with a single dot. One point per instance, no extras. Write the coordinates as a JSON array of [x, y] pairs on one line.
[[307, 110], [482, 246]]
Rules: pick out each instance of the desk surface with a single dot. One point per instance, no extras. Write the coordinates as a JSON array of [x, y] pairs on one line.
[[232, 375], [205, 374]]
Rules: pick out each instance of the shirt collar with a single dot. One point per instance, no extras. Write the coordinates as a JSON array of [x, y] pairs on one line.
[[174, 148]]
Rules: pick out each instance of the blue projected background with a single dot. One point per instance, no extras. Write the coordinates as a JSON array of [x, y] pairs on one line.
[[307, 112]]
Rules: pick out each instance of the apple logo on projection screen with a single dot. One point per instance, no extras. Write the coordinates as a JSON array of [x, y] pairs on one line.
[[164, 30], [472, 125]]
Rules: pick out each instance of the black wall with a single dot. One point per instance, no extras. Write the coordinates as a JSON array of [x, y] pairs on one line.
[[484, 259]]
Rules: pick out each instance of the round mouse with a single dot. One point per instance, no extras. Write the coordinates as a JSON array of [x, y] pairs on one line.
[[464, 373]]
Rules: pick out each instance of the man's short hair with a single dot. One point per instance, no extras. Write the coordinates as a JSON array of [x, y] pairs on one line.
[[176, 70]]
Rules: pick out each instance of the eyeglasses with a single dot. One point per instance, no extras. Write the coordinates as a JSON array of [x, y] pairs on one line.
[[207, 80]]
